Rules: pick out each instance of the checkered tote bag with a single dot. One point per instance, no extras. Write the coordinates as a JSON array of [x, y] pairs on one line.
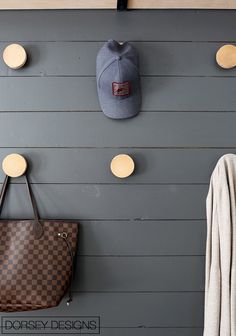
[[36, 259]]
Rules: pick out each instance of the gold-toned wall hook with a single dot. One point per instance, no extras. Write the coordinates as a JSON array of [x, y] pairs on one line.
[[226, 56], [122, 165], [14, 165]]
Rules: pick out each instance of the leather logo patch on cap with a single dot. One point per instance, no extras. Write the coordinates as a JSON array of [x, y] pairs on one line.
[[121, 89]]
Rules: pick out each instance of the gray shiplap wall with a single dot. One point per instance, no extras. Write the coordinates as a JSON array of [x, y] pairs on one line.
[[142, 240]]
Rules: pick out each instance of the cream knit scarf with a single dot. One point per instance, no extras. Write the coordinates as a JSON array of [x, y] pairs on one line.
[[220, 277]]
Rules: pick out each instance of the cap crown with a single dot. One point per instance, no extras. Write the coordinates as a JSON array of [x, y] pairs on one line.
[[117, 69], [118, 81]]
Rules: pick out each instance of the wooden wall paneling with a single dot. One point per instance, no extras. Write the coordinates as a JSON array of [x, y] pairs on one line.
[[134, 310], [106, 202], [77, 58], [105, 4], [162, 129], [140, 274], [141, 239], [51, 94], [91, 165], [72, 25]]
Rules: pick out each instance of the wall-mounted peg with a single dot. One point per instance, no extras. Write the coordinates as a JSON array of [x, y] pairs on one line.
[[14, 165], [14, 55], [226, 56], [122, 165]]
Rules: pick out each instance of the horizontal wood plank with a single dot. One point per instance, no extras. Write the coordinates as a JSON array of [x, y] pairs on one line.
[[138, 331], [76, 25], [182, 4], [139, 274], [57, 4], [90, 165], [42, 129], [111, 4], [80, 94], [142, 238], [109, 202], [133, 310], [145, 331], [156, 59]]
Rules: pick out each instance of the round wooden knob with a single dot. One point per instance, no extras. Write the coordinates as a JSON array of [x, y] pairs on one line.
[[122, 165], [226, 56], [14, 165], [14, 56]]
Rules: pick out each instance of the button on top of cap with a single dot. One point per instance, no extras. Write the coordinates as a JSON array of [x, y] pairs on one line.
[[118, 58]]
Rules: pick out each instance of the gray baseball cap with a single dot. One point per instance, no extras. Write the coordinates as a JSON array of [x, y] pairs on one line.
[[118, 81]]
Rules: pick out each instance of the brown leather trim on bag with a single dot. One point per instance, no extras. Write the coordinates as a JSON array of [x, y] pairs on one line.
[[37, 226]]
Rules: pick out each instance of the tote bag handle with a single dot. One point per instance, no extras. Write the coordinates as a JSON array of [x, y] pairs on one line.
[[37, 226]]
